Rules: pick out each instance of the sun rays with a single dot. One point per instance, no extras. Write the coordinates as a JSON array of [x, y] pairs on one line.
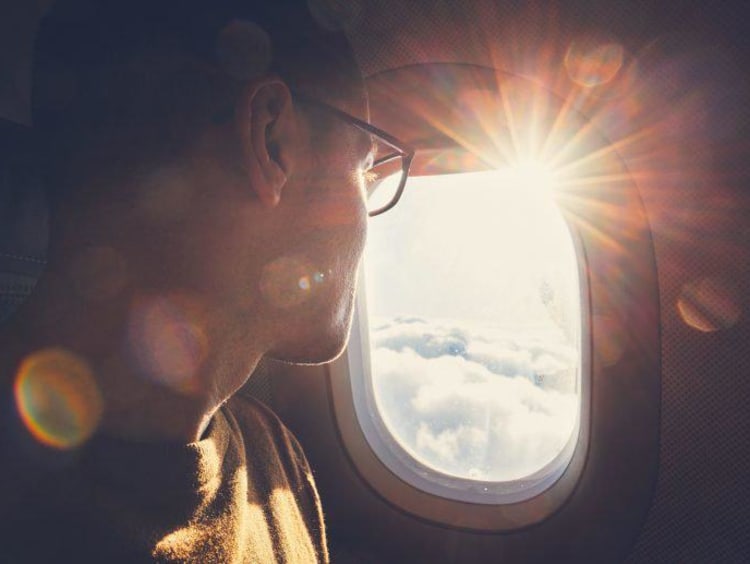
[[600, 111]]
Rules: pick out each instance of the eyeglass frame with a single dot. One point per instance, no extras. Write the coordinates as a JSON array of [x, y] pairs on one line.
[[404, 151]]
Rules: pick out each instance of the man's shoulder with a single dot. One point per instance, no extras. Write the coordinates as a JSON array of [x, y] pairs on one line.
[[265, 436], [253, 417], [278, 470]]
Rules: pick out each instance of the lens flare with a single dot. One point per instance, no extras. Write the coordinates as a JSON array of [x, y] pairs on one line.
[[709, 305], [58, 398], [288, 281], [592, 62], [533, 176], [168, 341]]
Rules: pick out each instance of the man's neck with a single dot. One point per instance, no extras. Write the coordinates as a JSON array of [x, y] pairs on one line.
[[138, 404]]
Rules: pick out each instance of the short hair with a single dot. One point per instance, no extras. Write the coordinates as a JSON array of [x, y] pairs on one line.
[[148, 74]]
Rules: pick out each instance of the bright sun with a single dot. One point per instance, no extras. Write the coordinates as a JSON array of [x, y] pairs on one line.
[[453, 238], [534, 177]]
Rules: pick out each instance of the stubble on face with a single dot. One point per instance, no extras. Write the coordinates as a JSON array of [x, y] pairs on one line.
[[326, 232]]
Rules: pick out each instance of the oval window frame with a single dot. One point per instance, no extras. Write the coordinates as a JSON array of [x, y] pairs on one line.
[[618, 436], [404, 481]]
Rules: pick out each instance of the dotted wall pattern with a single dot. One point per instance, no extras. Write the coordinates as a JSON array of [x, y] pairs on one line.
[[699, 513]]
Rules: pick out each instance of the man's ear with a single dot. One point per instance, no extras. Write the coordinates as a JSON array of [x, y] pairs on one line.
[[266, 122]]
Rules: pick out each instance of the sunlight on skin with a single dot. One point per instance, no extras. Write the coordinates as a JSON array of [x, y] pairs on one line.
[[289, 281]]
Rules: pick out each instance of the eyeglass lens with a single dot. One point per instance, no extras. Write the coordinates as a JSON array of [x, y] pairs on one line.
[[383, 179]]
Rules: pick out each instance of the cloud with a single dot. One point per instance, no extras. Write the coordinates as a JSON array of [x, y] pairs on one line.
[[485, 404], [415, 334]]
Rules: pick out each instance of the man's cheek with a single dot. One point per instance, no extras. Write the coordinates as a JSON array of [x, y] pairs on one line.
[[336, 207], [290, 281]]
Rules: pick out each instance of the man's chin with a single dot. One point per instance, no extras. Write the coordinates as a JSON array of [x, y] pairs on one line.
[[310, 353]]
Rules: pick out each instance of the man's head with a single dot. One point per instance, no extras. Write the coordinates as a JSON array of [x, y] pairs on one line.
[[193, 187]]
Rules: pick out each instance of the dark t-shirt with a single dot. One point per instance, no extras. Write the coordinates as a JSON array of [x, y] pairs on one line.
[[244, 493]]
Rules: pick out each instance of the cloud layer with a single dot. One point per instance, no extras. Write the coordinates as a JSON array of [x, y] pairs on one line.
[[476, 402]]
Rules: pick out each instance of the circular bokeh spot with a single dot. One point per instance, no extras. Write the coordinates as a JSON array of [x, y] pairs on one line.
[[593, 61], [709, 304], [288, 281], [58, 398], [168, 341]]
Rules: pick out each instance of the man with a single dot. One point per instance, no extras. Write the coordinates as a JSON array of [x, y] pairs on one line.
[[205, 168]]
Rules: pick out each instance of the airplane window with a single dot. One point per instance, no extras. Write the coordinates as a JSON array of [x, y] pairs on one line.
[[474, 329]]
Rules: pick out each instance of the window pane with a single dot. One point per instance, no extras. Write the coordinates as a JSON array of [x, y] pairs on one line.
[[474, 312]]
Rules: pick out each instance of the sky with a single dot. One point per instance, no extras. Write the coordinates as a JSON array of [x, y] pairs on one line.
[[472, 298]]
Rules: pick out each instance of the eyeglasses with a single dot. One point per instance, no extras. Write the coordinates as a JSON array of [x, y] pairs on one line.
[[385, 176]]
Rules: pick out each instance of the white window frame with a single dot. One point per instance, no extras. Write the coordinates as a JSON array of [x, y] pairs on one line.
[[610, 480], [410, 485]]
